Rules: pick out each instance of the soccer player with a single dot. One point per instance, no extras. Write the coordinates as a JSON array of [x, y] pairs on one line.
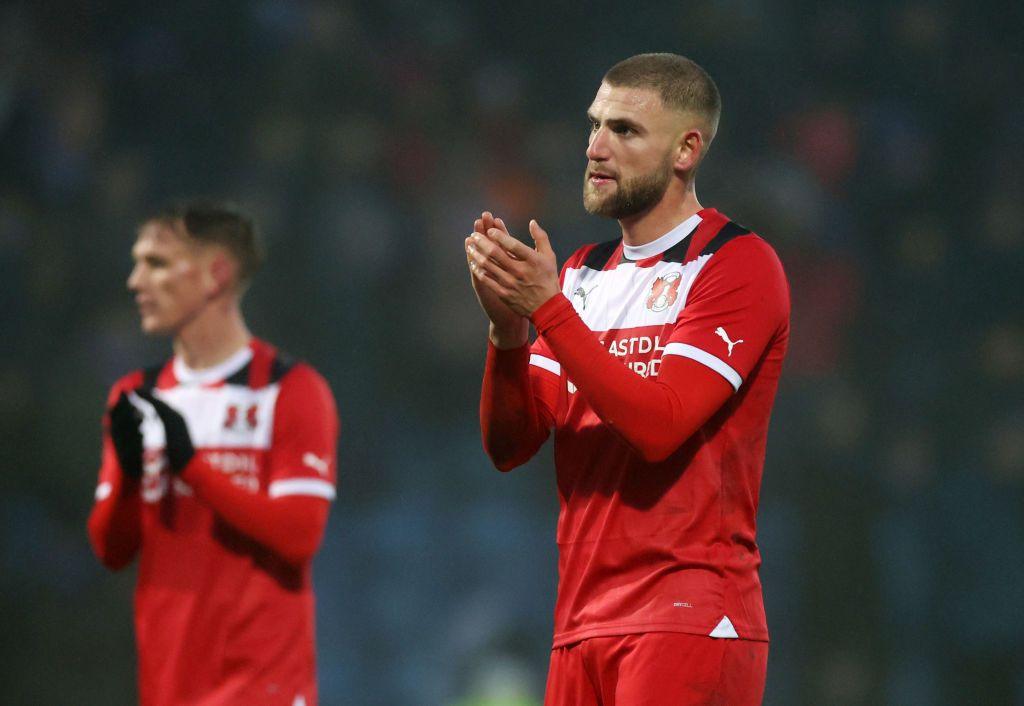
[[218, 471], [656, 363]]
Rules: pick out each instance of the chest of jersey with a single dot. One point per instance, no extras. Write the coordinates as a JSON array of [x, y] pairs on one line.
[[629, 297], [232, 425], [632, 308]]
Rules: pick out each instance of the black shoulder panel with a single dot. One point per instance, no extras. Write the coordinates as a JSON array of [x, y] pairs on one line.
[[281, 365], [149, 376], [677, 253], [240, 376], [729, 231], [599, 255]]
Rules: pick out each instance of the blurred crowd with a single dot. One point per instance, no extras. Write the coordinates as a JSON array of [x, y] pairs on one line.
[[876, 145]]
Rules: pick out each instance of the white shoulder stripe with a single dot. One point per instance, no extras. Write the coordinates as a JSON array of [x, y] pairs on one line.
[[301, 486], [103, 491], [717, 364], [551, 366]]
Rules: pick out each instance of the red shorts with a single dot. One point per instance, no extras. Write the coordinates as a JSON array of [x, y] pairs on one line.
[[657, 669]]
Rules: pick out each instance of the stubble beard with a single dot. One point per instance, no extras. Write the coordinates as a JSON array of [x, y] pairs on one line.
[[631, 196]]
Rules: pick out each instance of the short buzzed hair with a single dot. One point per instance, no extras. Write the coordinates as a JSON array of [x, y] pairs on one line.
[[218, 222], [681, 83]]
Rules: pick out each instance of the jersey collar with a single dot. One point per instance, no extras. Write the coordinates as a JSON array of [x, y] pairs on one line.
[[215, 373], [660, 245]]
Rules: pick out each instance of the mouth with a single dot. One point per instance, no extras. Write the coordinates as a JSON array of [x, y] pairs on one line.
[[598, 178]]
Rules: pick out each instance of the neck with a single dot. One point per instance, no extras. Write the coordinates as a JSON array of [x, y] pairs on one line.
[[213, 336], [678, 204]]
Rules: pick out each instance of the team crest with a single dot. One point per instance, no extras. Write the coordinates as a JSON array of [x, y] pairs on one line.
[[664, 292], [232, 417]]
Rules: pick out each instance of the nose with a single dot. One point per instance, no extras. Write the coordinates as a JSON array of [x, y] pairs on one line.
[[597, 148], [133, 279]]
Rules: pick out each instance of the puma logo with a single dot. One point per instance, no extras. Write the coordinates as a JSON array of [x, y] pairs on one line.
[[320, 465], [583, 294], [725, 337]]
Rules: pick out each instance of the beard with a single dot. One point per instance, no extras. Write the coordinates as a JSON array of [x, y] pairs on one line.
[[631, 196]]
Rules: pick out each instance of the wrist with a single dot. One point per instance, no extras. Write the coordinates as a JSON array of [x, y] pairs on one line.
[[193, 470], [548, 297], [507, 337], [554, 311]]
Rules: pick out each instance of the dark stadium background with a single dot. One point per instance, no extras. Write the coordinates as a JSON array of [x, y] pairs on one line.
[[877, 145]]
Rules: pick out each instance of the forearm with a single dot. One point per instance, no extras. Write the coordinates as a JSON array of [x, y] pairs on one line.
[[511, 423], [114, 524], [291, 527], [655, 416]]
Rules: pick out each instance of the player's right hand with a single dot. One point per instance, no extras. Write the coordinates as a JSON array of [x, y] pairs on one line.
[[123, 420], [179, 448], [508, 328]]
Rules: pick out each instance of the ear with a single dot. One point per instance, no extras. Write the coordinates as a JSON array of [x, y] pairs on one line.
[[221, 272], [689, 150]]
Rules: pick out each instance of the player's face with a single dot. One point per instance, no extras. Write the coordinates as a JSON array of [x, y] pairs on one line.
[[169, 279], [629, 156]]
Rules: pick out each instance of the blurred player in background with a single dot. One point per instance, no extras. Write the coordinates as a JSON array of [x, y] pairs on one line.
[[218, 471], [656, 364]]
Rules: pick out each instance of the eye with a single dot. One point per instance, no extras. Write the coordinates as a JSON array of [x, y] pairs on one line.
[[622, 130]]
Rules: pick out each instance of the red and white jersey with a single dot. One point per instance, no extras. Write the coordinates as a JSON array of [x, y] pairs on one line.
[[669, 546], [219, 618]]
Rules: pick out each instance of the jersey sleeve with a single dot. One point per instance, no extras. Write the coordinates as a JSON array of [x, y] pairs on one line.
[[738, 305], [545, 378], [302, 458], [110, 468], [545, 369], [114, 525], [543, 358], [519, 400]]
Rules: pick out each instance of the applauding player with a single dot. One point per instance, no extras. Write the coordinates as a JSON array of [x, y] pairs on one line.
[[656, 364], [218, 471]]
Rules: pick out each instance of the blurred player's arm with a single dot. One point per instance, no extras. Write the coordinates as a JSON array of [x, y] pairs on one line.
[[114, 529], [114, 524], [291, 527], [289, 519]]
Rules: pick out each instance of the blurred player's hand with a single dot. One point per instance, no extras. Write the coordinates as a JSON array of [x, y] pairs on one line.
[[179, 448], [521, 277], [508, 329], [123, 420]]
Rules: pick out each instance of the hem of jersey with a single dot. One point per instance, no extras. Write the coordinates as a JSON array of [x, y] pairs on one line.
[[568, 638]]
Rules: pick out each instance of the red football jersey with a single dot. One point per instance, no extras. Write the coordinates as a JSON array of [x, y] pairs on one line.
[[668, 545], [219, 618]]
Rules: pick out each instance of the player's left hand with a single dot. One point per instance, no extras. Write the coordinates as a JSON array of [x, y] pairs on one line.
[[179, 443], [521, 276], [123, 421]]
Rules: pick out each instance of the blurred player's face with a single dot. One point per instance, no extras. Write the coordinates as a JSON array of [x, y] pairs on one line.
[[170, 279], [629, 156]]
